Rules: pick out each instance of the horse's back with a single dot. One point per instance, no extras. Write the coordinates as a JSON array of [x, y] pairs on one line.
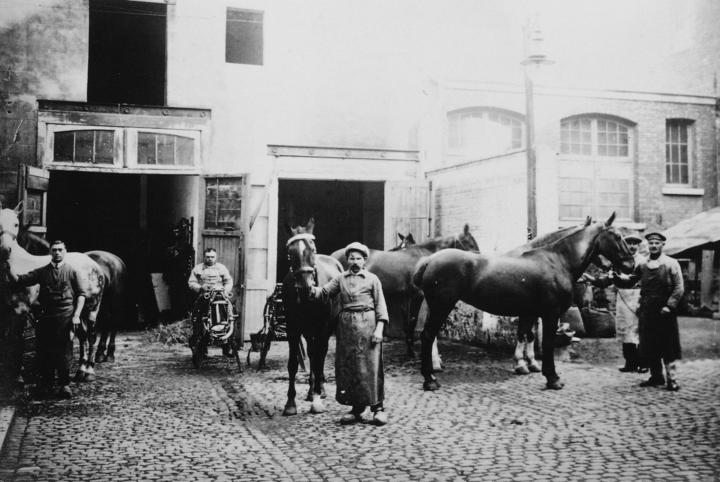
[[394, 269], [112, 266]]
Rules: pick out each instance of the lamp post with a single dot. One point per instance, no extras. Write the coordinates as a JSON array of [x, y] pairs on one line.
[[535, 57]]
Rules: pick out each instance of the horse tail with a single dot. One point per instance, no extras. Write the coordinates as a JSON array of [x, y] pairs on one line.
[[419, 272]]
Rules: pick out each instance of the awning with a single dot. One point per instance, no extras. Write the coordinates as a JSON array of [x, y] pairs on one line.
[[701, 229]]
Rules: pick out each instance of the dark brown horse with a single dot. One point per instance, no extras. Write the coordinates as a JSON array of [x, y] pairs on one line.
[[314, 320], [395, 270], [524, 355], [537, 282]]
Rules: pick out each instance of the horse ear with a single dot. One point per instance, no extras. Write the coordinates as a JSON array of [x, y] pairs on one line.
[[588, 221], [610, 219], [402, 238], [19, 208], [466, 229], [409, 239], [310, 225]]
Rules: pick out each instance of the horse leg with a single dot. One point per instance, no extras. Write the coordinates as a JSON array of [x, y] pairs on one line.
[[436, 360], [91, 339], [317, 360], [293, 340], [82, 338], [524, 333], [310, 340], [550, 323], [110, 356], [102, 346], [414, 305], [437, 313], [533, 365]]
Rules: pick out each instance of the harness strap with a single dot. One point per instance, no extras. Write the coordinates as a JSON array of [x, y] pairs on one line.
[[297, 237]]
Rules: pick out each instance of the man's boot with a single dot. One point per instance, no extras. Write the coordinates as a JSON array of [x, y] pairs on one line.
[[671, 371], [630, 355], [656, 376]]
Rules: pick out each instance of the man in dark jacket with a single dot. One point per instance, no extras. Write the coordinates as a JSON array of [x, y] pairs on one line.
[[62, 297], [661, 288]]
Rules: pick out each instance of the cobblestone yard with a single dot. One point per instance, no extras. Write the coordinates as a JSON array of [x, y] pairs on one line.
[[152, 416]]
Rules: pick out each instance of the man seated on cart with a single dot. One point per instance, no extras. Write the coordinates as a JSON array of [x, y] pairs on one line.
[[205, 278]]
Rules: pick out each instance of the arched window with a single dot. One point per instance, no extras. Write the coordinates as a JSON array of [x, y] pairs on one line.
[[596, 176], [482, 132]]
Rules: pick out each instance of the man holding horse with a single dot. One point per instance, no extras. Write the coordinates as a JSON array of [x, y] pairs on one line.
[[358, 355], [62, 297], [626, 311], [661, 289], [204, 278]]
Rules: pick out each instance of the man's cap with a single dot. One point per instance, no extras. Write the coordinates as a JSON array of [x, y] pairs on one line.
[[359, 247], [655, 235], [633, 239]]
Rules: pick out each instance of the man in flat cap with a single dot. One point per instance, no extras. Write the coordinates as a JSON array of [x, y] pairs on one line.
[[358, 355], [661, 288]]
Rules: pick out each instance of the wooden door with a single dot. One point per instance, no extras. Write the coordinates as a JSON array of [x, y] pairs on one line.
[[406, 210], [224, 229], [33, 184]]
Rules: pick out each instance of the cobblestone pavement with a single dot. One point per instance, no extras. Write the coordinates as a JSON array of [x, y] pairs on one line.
[[151, 416]]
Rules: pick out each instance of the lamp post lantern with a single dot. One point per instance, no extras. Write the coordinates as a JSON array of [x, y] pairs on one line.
[[535, 57]]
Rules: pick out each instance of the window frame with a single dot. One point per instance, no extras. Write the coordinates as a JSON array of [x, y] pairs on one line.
[[462, 150], [689, 125], [598, 161], [118, 147], [125, 143], [259, 38]]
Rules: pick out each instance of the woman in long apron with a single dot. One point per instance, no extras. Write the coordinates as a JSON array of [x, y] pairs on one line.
[[358, 356]]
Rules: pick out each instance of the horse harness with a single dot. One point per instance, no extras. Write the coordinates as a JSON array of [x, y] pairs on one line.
[[310, 240]]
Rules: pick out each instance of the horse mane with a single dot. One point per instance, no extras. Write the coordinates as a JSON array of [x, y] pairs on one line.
[[572, 231]]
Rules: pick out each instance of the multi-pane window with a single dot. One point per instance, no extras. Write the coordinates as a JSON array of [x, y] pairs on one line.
[[484, 132], [595, 168], [677, 151], [165, 149], [223, 202], [244, 37], [85, 146], [576, 137]]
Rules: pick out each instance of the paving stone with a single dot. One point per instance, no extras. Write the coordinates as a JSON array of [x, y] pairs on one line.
[[152, 416]]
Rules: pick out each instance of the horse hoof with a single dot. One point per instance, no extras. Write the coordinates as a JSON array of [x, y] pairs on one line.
[[89, 377], [555, 384], [110, 358], [431, 386], [317, 407], [522, 370], [534, 367], [289, 410], [79, 376]]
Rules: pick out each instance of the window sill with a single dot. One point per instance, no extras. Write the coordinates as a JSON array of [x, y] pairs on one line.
[[682, 191]]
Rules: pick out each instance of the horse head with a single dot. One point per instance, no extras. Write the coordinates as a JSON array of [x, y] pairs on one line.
[[405, 241], [9, 229], [301, 253], [465, 241], [609, 243]]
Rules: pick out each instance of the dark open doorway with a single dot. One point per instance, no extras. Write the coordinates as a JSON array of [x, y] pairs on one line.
[[129, 215], [344, 211], [127, 56]]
